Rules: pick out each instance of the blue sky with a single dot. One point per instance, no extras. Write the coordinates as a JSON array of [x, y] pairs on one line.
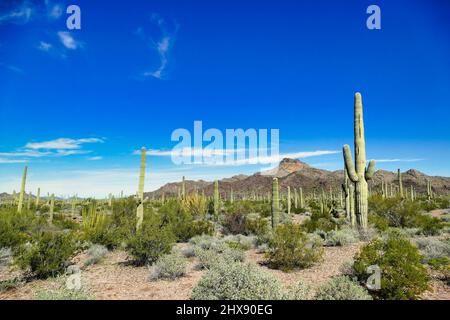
[[76, 104]]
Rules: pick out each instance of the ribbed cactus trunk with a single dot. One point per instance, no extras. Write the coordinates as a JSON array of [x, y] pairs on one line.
[[412, 193], [357, 172], [38, 197], [30, 197], [400, 183], [22, 190], [348, 189], [429, 190], [183, 189], [289, 200], [302, 201], [140, 208], [275, 203], [52, 207], [295, 198], [231, 196], [216, 199]]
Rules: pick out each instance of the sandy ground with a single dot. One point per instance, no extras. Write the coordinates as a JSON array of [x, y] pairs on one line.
[[113, 279]]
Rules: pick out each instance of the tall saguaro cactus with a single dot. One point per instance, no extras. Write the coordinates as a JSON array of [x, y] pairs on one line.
[[400, 183], [302, 201], [38, 197], [289, 200], [216, 199], [22, 190], [140, 208], [357, 172], [349, 190], [275, 203], [52, 207]]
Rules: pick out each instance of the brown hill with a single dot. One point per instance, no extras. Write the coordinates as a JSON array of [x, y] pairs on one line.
[[296, 174]]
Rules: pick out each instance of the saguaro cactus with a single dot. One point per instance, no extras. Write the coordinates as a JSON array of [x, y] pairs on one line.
[[289, 200], [52, 207], [302, 202], [275, 203], [140, 208], [348, 189], [22, 190], [183, 189], [38, 197], [357, 172], [400, 183], [295, 198], [216, 199], [231, 196]]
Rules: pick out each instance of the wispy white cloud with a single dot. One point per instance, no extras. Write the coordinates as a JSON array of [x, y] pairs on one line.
[[54, 11], [62, 143], [398, 160], [20, 14], [45, 46], [96, 158], [61, 147], [162, 46], [239, 153], [3, 161], [68, 40], [12, 68]]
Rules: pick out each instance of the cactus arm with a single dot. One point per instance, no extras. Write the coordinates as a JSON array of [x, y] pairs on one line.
[[370, 170], [349, 164]]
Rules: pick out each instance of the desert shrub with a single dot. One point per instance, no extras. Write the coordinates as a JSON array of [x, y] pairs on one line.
[[123, 220], [188, 252], [240, 241], [368, 234], [46, 255], [183, 223], [399, 213], [63, 222], [5, 256], [151, 241], [341, 237], [433, 248], [402, 274], [9, 284], [298, 291], [62, 294], [320, 220], [95, 254], [96, 227], [234, 223], [342, 288], [17, 228], [204, 241], [289, 249], [169, 266], [237, 281], [219, 253], [256, 225]]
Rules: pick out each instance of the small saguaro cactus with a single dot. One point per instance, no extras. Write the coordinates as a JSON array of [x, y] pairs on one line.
[[52, 207], [140, 208], [400, 183], [231, 196], [38, 197], [357, 171], [302, 202], [289, 200], [412, 193], [22, 189], [183, 189], [275, 203], [216, 199], [295, 198]]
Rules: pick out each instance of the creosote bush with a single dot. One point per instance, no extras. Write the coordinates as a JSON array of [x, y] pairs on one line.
[[151, 241], [169, 266], [402, 274], [342, 288], [341, 237], [290, 249], [47, 254], [219, 253], [237, 281]]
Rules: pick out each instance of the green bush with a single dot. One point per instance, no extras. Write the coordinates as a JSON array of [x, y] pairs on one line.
[[298, 291], [342, 288], [219, 253], [341, 237], [47, 254], [289, 249], [17, 228], [62, 294], [170, 266], [432, 249], [402, 274], [237, 281], [151, 241]]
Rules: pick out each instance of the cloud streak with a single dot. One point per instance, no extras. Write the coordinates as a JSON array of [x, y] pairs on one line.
[[397, 160], [162, 46], [68, 41]]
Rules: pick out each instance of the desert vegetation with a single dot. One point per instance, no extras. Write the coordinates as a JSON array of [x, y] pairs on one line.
[[291, 243]]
